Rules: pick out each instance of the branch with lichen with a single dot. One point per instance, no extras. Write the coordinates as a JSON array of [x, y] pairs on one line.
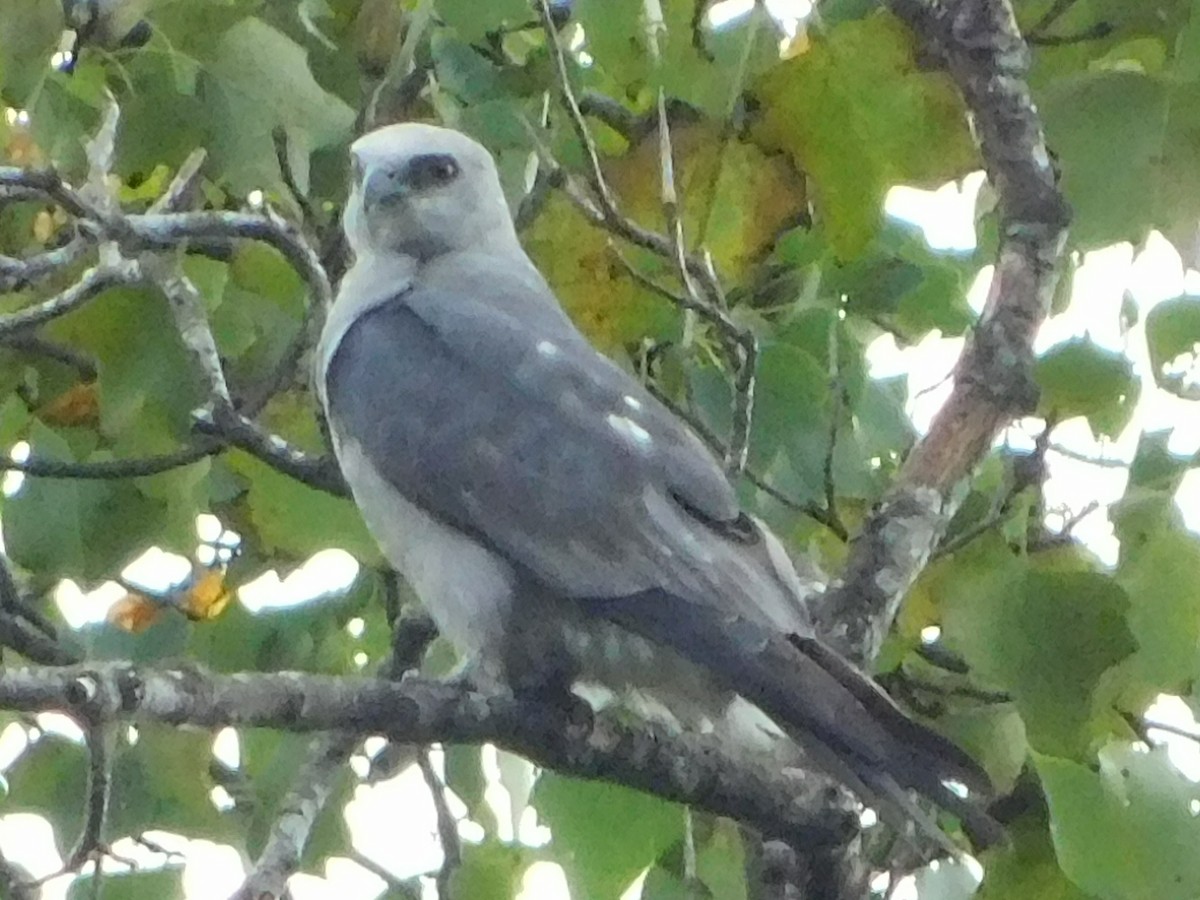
[[692, 769], [980, 46], [144, 249]]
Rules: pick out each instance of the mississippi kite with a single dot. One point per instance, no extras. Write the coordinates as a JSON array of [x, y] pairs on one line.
[[561, 525]]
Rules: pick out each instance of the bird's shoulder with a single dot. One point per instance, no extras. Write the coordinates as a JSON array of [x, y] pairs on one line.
[[491, 333]]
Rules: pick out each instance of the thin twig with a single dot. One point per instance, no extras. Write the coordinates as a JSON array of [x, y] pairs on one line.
[[17, 274], [179, 193], [164, 231], [719, 449], [236, 430], [94, 282], [18, 633], [90, 845], [1093, 33], [1172, 729], [403, 890], [1052, 15], [745, 363], [187, 308], [1100, 461], [12, 601], [616, 115], [446, 823], [835, 415], [35, 345], [114, 469], [280, 140]]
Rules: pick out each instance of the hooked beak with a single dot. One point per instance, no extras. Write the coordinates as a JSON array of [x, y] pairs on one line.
[[380, 186]]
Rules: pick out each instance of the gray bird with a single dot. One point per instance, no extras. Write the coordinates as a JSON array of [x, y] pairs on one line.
[[563, 527]]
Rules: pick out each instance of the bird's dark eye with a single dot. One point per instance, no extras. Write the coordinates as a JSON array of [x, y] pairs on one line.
[[431, 170]]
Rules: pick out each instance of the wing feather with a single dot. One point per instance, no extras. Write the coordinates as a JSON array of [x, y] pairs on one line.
[[553, 455]]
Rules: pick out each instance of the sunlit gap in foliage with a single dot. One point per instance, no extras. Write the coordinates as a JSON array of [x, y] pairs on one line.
[[788, 13], [13, 480], [14, 116], [1087, 468], [1104, 280], [326, 572], [1182, 740]]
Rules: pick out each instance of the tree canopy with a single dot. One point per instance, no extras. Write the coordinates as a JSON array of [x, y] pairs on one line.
[[704, 186]]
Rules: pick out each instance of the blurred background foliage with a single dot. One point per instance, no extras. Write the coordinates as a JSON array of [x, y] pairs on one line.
[[790, 126]]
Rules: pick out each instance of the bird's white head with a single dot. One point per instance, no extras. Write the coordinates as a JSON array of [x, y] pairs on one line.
[[422, 191]]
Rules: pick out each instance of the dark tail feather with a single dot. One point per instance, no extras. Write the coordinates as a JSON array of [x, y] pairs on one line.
[[842, 718]]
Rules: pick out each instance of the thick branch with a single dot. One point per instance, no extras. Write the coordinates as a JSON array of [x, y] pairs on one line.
[[687, 769], [984, 53]]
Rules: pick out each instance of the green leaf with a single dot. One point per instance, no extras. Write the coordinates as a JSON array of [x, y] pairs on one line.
[[858, 115], [1164, 614], [1045, 637], [721, 862], [464, 776], [791, 394], [1148, 508], [1077, 378], [29, 30], [130, 885], [50, 779], [1138, 802], [260, 81], [78, 528], [605, 834], [473, 21], [309, 637], [995, 736], [162, 782], [1027, 868], [1108, 182], [705, 69], [295, 520], [1173, 336], [489, 871]]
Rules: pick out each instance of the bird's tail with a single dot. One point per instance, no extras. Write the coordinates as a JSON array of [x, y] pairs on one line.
[[841, 718]]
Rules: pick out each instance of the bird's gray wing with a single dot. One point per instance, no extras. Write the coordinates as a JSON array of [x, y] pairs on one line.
[[485, 407]]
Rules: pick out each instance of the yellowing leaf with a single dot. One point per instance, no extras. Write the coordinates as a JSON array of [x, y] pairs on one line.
[[78, 405], [735, 200], [43, 226], [134, 613], [21, 150], [857, 114], [208, 597]]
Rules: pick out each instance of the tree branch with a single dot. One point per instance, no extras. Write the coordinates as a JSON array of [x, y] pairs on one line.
[[685, 768], [984, 53], [317, 778], [93, 283], [296, 815], [447, 825]]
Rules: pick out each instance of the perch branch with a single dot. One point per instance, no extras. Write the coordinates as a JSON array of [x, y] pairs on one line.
[[686, 768]]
